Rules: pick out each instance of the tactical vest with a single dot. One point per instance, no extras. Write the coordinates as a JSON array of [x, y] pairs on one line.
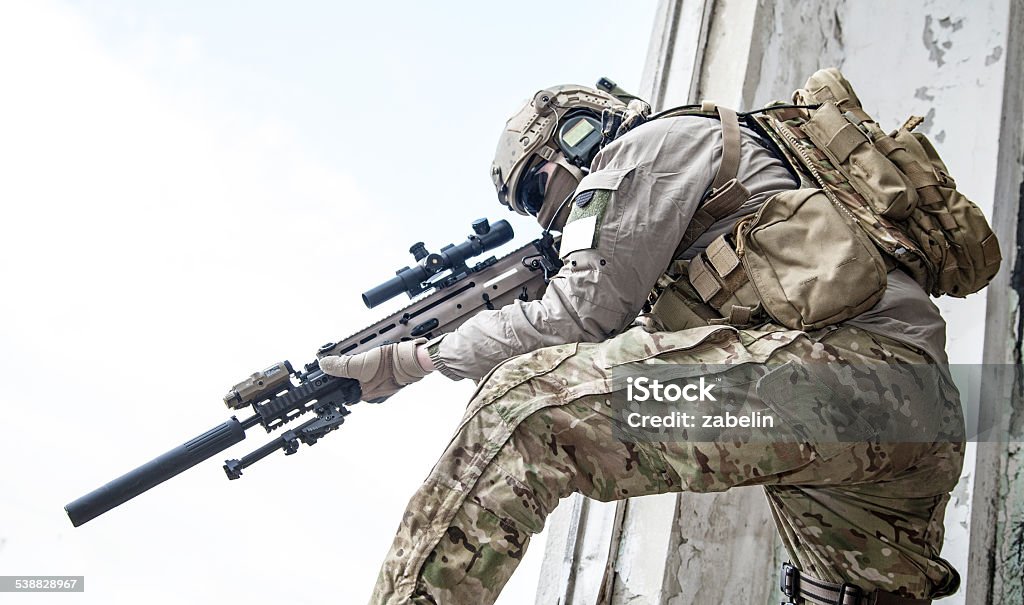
[[869, 202]]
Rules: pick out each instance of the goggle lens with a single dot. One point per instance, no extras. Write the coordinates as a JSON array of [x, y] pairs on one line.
[[531, 189]]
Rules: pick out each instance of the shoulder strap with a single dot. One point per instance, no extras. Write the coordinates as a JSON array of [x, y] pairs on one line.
[[730, 147], [726, 194]]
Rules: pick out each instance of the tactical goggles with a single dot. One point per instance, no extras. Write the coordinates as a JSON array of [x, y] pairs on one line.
[[531, 188]]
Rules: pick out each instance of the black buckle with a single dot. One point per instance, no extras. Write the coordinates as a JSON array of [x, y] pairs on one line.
[[789, 580], [851, 590]]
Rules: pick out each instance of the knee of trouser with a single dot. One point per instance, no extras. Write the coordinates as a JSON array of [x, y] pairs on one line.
[[523, 483]]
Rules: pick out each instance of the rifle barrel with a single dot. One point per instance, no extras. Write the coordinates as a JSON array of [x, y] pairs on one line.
[[155, 472]]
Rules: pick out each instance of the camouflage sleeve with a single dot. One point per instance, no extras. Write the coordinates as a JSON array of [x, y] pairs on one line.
[[628, 216]]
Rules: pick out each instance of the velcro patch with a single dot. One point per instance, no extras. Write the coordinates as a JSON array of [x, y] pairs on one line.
[[578, 235], [584, 236], [584, 198]]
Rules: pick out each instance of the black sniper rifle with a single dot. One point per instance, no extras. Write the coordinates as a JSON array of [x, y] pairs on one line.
[[280, 394]]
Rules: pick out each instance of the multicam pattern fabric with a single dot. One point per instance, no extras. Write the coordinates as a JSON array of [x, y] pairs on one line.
[[541, 426]]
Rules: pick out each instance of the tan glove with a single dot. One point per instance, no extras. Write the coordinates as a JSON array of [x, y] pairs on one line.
[[381, 372], [617, 122], [636, 113]]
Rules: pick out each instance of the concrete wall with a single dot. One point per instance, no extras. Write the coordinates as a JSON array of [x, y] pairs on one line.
[[996, 557], [955, 62]]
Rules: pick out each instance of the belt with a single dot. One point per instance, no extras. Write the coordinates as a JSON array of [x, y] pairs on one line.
[[802, 588]]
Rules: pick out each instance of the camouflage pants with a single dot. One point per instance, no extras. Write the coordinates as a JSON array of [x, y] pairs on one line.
[[540, 427]]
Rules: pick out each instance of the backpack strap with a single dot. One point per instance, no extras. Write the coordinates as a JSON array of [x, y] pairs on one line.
[[726, 194], [730, 147]]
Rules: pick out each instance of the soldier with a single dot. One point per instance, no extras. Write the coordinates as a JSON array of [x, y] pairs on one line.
[[859, 505]]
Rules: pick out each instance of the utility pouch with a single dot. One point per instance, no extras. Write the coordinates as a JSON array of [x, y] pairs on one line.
[[840, 136], [679, 307], [951, 230], [805, 262]]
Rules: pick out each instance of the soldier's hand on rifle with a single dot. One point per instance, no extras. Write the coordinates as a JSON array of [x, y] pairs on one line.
[[383, 371]]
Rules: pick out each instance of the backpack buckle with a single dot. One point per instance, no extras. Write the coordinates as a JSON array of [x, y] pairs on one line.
[[943, 178], [859, 123]]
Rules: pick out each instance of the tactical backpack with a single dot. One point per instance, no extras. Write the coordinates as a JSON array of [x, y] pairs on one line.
[[870, 202]]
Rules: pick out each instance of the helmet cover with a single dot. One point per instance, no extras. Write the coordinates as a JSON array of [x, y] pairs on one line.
[[529, 139]]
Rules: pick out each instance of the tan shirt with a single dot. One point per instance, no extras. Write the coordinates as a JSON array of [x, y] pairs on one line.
[[658, 173]]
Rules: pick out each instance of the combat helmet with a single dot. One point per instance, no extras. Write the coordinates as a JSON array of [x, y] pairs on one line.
[[560, 125]]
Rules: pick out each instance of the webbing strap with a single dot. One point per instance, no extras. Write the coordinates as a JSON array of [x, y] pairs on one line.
[[721, 204], [803, 588], [703, 282], [726, 194], [740, 315], [887, 145], [920, 177], [720, 281], [946, 220], [723, 258], [730, 147], [925, 181]]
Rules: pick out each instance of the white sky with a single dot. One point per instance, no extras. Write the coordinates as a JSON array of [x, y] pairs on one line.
[[192, 191]]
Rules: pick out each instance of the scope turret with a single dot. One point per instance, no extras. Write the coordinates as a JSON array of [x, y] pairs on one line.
[[452, 258]]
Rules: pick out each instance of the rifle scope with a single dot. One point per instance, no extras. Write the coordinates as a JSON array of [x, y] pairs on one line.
[[417, 279]]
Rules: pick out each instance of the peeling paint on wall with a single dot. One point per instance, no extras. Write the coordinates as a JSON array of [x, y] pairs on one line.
[[994, 56], [934, 52], [1017, 547], [837, 28], [929, 121], [937, 42], [1017, 284], [783, 61], [946, 22]]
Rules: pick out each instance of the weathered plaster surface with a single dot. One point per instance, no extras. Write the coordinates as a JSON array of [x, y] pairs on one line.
[[724, 551], [997, 536]]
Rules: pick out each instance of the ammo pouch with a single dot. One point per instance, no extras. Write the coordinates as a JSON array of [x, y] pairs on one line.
[[800, 259], [677, 305]]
